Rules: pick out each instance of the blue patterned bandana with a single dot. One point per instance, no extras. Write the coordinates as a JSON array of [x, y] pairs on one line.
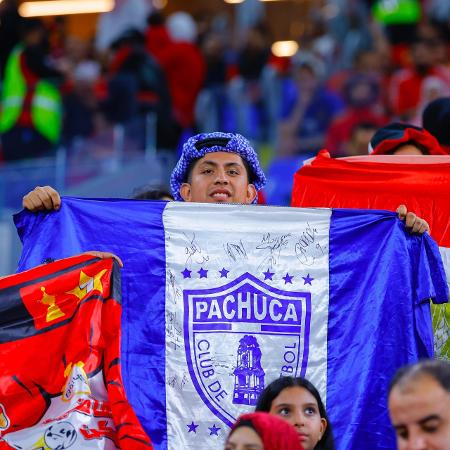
[[199, 145]]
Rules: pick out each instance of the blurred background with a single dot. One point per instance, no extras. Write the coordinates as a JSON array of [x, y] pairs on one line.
[[97, 96]]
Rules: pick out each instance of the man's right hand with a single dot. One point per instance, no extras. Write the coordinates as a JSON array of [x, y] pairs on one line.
[[42, 198]]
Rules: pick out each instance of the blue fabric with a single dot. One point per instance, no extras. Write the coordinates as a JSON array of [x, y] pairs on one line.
[[379, 318], [380, 284], [138, 239]]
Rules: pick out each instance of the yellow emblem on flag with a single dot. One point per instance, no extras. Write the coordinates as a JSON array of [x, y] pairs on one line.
[[87, 284], [77, 382], [53, 311], [4, 421]]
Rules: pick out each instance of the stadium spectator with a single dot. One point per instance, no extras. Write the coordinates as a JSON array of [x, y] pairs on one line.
[[360, 137], [419, 400], [261, 431], [362, 97], [10, 24], [184, 67], [81, 104], [217, 168], [297, 401], [404, 139], [149, 193], [406, 85], [30, 119], [213, 168], [157, 37], [307, 107], [436, 120], [245, 89], [138, 86]]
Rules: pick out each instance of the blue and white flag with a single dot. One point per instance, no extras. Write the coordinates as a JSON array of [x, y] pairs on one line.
[[220, 300]]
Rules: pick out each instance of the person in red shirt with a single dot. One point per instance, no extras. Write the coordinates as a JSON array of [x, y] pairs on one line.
[[406, 85], [182, 62]]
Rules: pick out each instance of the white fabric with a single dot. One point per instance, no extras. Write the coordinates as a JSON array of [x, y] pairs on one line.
[[293, 244]]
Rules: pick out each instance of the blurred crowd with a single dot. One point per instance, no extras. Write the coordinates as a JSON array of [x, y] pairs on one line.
[[359, 67]]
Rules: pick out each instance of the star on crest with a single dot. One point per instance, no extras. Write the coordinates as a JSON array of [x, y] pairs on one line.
[[288, 278], [268, 275], [192, 427], [214, 430], [186, 273], [308, 280], [224, 273], [203, 273]]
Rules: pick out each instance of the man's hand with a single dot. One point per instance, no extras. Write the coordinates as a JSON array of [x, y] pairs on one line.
[[42, 198], [413, 223], [104, 255]]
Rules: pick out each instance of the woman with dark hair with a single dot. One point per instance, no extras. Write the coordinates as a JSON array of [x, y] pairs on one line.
[[262, 431], [297, 401]]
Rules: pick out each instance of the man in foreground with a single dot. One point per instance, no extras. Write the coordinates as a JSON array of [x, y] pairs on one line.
[[419, 406], [213, 168]]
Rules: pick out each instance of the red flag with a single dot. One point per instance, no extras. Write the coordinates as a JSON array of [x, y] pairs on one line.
[[422, 183], [60, 378]]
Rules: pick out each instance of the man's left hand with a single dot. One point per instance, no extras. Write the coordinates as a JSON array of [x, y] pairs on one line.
[[413, 223]]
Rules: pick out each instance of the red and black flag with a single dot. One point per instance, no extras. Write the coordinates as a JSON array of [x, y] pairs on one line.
[[60, 379]]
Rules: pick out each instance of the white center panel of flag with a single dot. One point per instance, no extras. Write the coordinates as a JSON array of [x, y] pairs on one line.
[[247, 292]]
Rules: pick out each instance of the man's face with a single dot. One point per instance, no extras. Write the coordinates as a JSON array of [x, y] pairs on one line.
[[219, 177], [420, 414]]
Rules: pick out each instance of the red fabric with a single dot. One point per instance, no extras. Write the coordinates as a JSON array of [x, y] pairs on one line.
[[261, 198], [53, 323], [422, 183], [156, 40], [276, 433]]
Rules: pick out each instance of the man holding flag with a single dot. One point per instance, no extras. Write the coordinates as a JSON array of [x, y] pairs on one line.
[[220, 299], [213, 168]]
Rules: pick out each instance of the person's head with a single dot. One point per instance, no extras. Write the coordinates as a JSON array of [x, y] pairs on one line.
[[308, 70], [148, 193], [360, 137], [262, 431], [422, 58], [182, 27], [361, 91], [419, 406], [297, 401], [404, 139], [33, 31], [217, 168], [436, 120], [367, 61]]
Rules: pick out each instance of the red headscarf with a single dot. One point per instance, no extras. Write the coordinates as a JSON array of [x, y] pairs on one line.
[[276, 433], [388, 138]]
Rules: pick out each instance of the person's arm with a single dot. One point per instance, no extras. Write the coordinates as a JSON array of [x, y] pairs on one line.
[[42, 198]]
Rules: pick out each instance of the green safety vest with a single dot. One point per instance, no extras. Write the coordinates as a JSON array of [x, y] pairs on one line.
[[392, 12], [46, 105]]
